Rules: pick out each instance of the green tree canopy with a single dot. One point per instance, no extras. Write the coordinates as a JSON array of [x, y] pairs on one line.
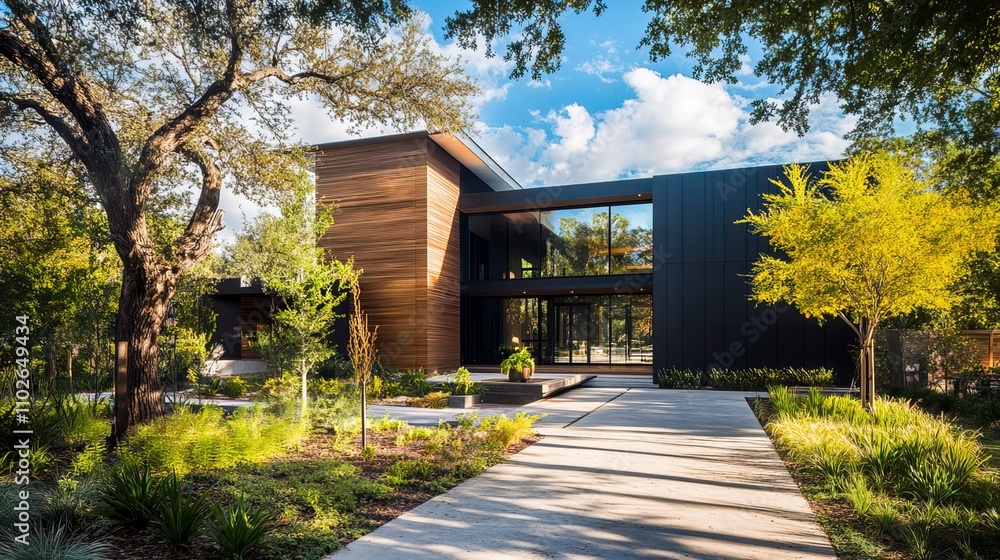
[[281, 250], [933, 61], [162, 103], [866, 242]]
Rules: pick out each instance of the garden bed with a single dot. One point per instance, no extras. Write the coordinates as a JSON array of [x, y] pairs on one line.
[[330, 525], [321, 488], [900, 513]]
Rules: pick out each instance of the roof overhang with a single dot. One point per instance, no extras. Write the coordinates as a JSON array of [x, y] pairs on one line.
[[469, 154], [461, 147]]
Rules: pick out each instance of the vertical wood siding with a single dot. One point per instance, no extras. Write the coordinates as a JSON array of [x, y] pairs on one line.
[[394, 219]]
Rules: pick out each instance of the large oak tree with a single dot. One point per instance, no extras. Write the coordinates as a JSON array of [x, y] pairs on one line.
[[163, 102]]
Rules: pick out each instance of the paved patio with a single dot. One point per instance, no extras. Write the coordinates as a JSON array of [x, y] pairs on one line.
[[624, 470]]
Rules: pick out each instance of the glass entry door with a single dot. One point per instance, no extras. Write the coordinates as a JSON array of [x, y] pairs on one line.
[[571, 344]]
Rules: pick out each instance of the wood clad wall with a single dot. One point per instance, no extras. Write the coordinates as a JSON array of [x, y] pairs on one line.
[[443, 261], [254, 313], [380, 190]]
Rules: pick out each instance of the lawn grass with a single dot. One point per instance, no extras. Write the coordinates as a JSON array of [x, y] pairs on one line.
[[894, 483]]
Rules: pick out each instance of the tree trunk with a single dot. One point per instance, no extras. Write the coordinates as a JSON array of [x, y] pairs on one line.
[[69, 366], [304, 371], [867, 362], [364, 415], [50, 364], [141, 311]]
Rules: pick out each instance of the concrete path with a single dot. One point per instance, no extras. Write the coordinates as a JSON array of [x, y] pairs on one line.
[[620, 473]]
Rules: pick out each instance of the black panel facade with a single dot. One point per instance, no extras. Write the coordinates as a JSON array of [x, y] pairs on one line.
[[701, 296], [700, 259]]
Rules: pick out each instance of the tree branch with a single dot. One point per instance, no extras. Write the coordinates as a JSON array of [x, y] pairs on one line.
[[276, 72], [169, 138], [72, 138], [206, 218], [72, 94]]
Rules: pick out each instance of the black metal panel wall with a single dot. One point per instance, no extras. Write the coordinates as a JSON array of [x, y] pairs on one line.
[[703, 317]]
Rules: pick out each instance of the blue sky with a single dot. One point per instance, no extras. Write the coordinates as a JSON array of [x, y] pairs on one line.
[[610, 112]]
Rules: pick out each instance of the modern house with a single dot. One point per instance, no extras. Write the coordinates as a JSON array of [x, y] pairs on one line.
[[462, 264]]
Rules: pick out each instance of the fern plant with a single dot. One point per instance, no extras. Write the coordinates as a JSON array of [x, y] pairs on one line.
[[239, 527]]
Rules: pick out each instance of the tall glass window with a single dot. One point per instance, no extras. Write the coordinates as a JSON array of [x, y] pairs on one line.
[[632, 239], [523, 256], [575, 241]]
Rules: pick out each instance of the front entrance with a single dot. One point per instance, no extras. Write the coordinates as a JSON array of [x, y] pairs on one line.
[[572, 333]]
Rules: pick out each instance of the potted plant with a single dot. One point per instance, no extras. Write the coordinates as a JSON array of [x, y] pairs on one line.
[[464, 393], [518, 366]]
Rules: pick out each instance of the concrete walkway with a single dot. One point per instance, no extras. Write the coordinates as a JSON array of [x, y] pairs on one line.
[[620, 473]]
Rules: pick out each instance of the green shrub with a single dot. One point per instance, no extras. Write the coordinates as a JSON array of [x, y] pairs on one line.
[[759, 379], [233, 387], [288, 387], [678, 378], [435, 399], [178, 520], [407, 471], [502, 431], [982, 412], [329, 411], [209, 387], [468, 420], [90, 460], [412, 382], [130, 494], [321, 387], [239, 527], [461, 384], [70, 503], [82, 422], [368, 453], [53, 544], [386, 424]]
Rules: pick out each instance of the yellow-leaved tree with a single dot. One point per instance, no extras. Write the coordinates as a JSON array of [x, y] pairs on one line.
[[866, 242]]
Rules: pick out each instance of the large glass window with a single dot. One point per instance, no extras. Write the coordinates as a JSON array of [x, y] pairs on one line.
[[575, 241], [592, 241], [523, 256], [598, 329], [632, 239]]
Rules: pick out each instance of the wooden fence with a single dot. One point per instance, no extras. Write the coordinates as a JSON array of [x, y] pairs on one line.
[[987, 345]]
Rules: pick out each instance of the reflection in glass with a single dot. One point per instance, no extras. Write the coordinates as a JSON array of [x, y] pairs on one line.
[[521, 324], [487, 257], [575, 241], [632, 239], [523, 236]]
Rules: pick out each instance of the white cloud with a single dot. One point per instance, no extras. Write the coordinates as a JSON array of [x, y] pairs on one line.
[[672, 124], [601, 67], [536, 84]]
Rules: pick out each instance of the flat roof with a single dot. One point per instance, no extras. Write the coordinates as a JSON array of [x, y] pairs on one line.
[[459, 146]]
